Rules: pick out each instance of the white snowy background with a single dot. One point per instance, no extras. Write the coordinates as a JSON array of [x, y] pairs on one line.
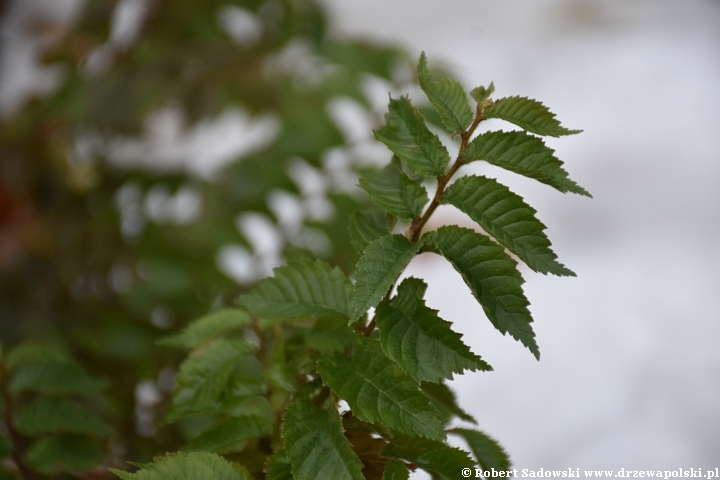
[[630, 368]]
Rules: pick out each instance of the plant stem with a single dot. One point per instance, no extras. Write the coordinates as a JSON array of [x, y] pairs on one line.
[[17, 440], [415, 228]]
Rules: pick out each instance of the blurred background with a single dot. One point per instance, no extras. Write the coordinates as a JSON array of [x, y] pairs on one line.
[[158, 158]]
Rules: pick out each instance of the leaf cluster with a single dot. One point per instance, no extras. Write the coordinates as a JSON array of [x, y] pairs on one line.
[[319, 376]]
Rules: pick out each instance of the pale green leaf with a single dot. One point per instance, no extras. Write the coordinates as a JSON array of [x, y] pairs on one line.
[[382, 261], [395, 470], [53, 376], [480, 94], [230, 435], [505, 216], [492, 277], [65, 453], [447, 96], [278, 467], [187, 466], [523, 154], [208, 327], [418, 340], [316, 446], [445, 401], [528, 114], [205, 374], [367, 226], [379, 392], [59, 415], [488, 452], [394, 191], [408, 137], [300, 290]]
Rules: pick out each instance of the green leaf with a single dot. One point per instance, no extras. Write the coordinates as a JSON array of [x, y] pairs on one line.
[[395, 470], [480, 94], [59, 415], [278, 467], [419, 341], [446, 462], [394, 191], [330, 335], [205, 374], [523, 154], [300, 290], [505, 216], [208, 327], [187, 466], [487, 451], [492, 277], [316, 446], [367, 226], [6, 446], [64, 453], [407, 136], [230, 435], [51, 376], [378, 391], [447, 96], [382, 261], [528, 114], [445, 401]]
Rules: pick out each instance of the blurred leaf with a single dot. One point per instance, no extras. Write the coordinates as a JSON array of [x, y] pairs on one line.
[[59, 415], [64, 453], [187, 466], [207, 328]]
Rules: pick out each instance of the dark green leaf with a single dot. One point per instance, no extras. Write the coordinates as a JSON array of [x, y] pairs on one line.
[[64, 454], [59, 415], [316, 446], [205, 374], [382, 261], [207, 328], [487, 451], [446, 462], [448, 97], [278, 467], [419, 341], [523, 154], [330, 335], [187, 466], [394, 191], [528, 114], [367, 226], [6, 446], [492, 277], [301, 290], [52, 376], [444, 400], [230, 435], [407, 136], [395, 470], [378, 391], [480, 94], [505, 216]]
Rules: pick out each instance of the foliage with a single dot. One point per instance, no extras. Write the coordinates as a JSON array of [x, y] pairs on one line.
[[308, 373]]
